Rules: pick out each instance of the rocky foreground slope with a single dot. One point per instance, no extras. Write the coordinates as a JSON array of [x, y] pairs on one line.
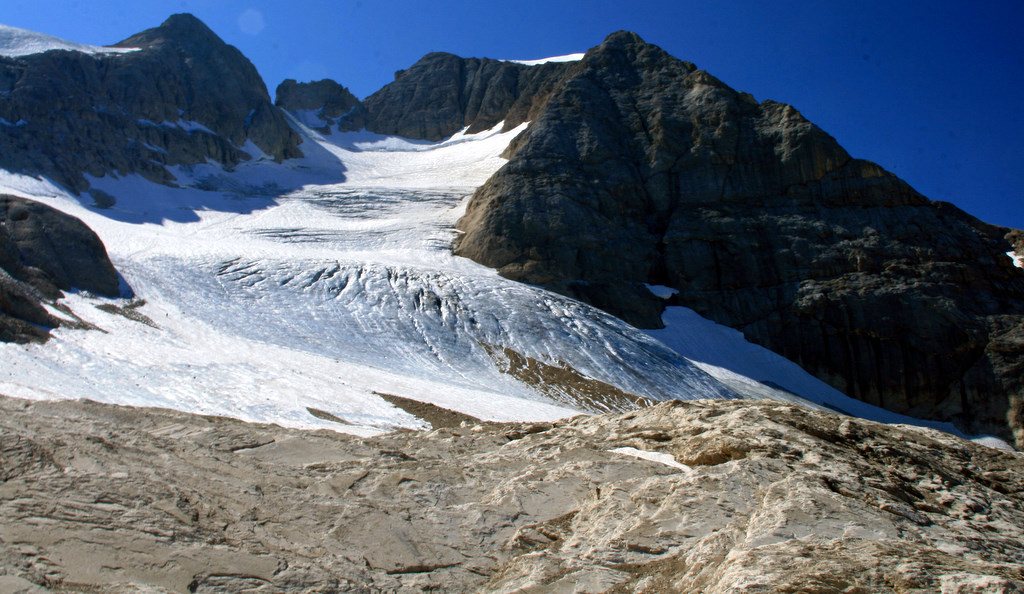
[[740, 496]]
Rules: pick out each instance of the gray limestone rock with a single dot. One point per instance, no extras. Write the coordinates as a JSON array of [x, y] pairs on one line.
[[183, 98], [706, 496], [642, 168]]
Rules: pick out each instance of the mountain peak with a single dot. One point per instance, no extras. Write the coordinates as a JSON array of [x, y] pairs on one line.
[[181, 28], [185, 24], [634, 52], [623, 38]]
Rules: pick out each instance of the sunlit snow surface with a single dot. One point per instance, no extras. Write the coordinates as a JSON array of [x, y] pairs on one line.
[[15, 42], [565, 58], [320, 282]]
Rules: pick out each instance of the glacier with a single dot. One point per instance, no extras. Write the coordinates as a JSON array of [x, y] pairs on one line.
[[299, 293]]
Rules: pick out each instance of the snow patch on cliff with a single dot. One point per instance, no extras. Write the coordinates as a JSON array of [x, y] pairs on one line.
[[565, 58], [15, 42]]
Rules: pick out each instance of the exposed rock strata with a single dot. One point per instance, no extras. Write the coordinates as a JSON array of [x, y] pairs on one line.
[[183, 98], [95, 497], [42, 253], [644, 169], [443, 93]]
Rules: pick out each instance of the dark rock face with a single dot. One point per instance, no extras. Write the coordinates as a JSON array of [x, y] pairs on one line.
[[443, 93], [327, 98], [183, 98], [43, 252], [643, 169]]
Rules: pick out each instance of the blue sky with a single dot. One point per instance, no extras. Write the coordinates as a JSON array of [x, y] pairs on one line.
[[931, 91]]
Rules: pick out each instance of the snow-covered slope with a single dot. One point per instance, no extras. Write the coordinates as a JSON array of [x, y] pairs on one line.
[[15, 42], [274, 293]]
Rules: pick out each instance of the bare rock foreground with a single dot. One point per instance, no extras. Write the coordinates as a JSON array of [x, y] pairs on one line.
[[737, 496]]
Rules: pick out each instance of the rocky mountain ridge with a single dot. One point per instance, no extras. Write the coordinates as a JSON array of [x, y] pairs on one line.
[[709, 496], [642, 169], [438, 96], [184, 97], [327, 99]]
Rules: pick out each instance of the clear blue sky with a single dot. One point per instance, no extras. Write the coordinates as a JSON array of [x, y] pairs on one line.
[[932, 91]]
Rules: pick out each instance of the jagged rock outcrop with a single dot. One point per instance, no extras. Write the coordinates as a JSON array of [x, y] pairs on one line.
[[443, 93], [42, 253], [729, 496], [184, 97], [641, 168], [327, 100]]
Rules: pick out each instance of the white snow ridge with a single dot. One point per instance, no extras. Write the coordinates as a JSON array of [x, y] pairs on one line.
[[565, 58], [15, 42], [273, 293]]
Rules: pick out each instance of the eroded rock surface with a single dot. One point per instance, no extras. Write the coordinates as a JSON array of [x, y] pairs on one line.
[[183, 98], [758, 496], [641, 168], [42, 253]]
